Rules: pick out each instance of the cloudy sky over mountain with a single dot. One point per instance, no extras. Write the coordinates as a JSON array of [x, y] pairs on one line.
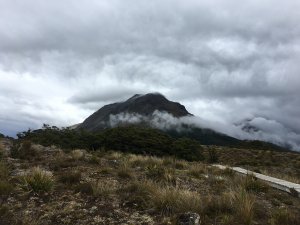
[[225, 60]]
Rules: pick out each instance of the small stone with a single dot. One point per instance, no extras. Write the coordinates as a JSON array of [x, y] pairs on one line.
[[93, 209], [189, 218]]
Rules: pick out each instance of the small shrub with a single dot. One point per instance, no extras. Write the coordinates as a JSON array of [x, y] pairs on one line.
[[72, 177], [212, 155], [37, 180]]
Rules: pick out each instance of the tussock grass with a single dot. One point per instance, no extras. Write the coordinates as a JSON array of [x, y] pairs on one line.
[[102, 189], [144, 161], [77, 154], [166, 200], [252, 184], [138, 193], [244, 205], [169, 201], [124, 170], [37, 180], [215, 205], [197, 170], [161, 174]]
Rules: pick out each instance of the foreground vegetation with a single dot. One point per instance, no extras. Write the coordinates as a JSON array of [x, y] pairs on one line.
[[55, 186]]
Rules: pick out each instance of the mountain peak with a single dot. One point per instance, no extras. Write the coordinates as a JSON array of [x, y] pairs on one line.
[[144, 105]]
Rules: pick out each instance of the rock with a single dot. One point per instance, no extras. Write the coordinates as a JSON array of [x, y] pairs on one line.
[[189, 218]]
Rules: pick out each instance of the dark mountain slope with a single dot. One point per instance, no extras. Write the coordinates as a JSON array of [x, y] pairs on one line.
[[143, 105]]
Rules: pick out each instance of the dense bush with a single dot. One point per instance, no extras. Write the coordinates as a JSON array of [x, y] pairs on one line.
[[133, 139]]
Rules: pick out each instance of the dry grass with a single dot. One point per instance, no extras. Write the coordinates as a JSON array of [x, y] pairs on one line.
[[37, 180], [124, 170], [197, 170], [244, 205], [161, 174], [170, 201], [163, 199], [77, 154], [102, 189], [252, 184]]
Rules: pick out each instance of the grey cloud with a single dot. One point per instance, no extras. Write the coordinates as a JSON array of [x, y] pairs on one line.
[[225, 60]]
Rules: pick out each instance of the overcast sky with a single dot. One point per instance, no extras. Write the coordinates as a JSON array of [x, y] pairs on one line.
[[225, 60]]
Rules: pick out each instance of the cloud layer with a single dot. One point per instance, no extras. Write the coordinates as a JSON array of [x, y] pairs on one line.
[[226, 61]]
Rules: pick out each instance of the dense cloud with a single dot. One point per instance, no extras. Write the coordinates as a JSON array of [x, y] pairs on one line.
[[226, 61]]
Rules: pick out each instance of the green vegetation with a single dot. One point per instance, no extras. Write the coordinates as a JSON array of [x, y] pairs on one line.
[[133, 139]]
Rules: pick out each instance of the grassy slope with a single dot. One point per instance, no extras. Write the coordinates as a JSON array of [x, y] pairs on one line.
[[120, 188]]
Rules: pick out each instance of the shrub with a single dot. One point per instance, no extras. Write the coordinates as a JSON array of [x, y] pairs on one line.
[[212, 155], [37, 180], [71, 177]]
